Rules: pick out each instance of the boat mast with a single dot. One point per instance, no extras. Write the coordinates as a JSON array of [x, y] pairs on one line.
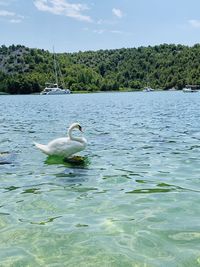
[[61, 76], [55, 67]]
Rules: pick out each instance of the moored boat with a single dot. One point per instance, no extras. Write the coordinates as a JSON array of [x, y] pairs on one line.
[[190, 89], [53, 88], [148, 89]]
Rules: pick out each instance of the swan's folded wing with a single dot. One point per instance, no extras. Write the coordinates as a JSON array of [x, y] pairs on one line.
[[58, 144], [65, 146]]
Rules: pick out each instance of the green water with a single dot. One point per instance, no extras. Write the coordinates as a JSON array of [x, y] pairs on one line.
[[133, 200]]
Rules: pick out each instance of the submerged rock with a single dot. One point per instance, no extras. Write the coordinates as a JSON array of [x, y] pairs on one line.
[[6, 158], [73, 161]]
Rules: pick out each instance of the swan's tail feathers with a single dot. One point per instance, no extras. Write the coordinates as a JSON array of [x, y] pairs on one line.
[[43, 148]]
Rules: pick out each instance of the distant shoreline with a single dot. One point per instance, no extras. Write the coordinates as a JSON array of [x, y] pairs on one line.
[[25, 70], [2, 93], [97, 92]]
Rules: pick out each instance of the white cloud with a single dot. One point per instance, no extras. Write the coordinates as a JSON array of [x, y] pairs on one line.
[[62, 7], [15, 20], [11, 16], [107, 22], [100, 31], [116, 31], [5, 13], [194, 23], [117, 12]]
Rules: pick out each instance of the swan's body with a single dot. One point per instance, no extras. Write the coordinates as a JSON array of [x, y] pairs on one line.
[[65, 146]]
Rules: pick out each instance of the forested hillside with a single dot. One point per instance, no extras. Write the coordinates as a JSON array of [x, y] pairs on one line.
[[25, 70]]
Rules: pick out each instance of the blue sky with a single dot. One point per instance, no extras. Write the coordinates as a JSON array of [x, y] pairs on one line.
[[80, 25]]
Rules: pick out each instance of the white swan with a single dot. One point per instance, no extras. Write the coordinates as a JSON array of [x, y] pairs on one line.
[[65, 146]]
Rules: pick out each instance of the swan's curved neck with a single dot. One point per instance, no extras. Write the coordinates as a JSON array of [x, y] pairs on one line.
[[78, 139]]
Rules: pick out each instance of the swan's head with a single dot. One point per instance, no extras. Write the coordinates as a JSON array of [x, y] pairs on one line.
[[76, 125]]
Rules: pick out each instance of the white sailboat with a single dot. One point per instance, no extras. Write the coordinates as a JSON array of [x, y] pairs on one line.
[[191, 89], [148, 88], [53, 88]]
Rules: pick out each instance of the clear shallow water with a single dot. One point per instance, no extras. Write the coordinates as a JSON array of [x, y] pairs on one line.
[[134, 203]]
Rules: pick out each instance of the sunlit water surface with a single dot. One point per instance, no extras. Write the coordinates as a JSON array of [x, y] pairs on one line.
[[134, 201]]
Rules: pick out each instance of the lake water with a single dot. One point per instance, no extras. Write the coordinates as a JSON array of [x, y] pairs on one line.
[[135, 201]]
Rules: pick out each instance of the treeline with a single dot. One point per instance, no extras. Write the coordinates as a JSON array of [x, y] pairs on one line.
[[24, 70]]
